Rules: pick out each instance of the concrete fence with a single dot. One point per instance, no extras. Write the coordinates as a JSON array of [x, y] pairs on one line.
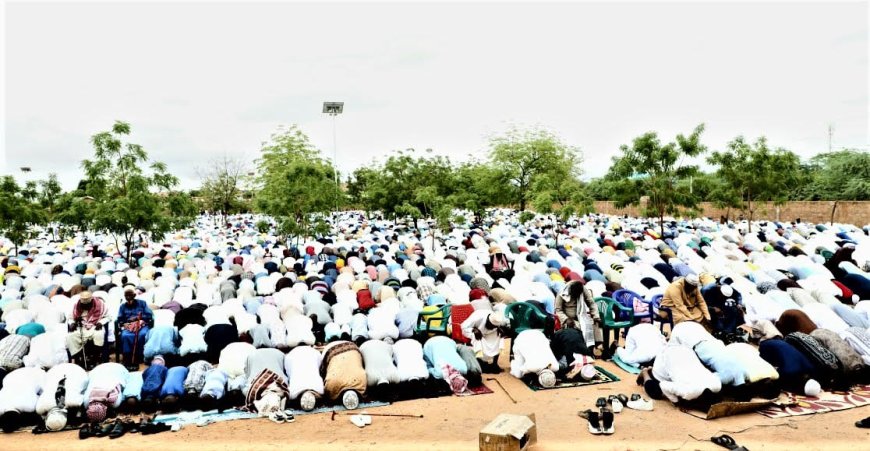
[[852, 212]]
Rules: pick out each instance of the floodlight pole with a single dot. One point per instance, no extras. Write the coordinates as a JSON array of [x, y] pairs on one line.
[[334, 109]]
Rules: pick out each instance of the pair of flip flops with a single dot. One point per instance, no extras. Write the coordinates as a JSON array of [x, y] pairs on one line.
[[361, 420], [280, 417]]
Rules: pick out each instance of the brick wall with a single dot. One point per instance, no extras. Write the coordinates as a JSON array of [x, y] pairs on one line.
[[852, 212]]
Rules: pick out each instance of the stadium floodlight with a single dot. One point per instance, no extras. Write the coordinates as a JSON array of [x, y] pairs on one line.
[[334, 109]]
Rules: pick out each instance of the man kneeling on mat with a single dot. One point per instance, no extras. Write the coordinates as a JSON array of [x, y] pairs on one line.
[[533, 358]]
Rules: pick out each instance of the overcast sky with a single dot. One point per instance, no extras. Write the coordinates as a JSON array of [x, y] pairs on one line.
[[200, 80]]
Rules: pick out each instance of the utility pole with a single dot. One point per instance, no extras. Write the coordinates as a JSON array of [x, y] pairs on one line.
[[830, 137]]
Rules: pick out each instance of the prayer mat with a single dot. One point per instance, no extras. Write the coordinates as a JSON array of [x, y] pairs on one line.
[[479, 390], [626, 366], [793, 405], [602, 376]]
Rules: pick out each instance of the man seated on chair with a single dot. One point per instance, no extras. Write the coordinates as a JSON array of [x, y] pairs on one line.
[[725, 308], [685, 301], [89, 317], [134, 320]]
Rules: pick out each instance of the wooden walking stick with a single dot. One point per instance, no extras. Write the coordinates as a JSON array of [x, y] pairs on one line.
[[502, 387]]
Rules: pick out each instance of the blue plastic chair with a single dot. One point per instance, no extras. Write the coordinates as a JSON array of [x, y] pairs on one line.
[[626, 298], [656, 306]]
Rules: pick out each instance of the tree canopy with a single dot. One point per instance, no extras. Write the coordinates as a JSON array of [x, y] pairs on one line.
[[649, 169], [128, 193], [754, 172], [295, 185]]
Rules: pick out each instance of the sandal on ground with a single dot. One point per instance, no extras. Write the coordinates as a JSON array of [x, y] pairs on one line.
[[288, 416], [601, 402], [85, 431], [607, 423], [277, 417], [358, 421], [865, 423], [724, 441], [594, 422]]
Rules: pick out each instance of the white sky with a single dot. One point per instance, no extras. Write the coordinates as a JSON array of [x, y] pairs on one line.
[[204, 79]]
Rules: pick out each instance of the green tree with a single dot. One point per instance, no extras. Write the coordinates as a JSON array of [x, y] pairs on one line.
[[221, 189], [20, 213], [479, 186], [755, 173], [295, 184], [651, 169], [131, 194], [526, 155], [838, 176], [49, 195]]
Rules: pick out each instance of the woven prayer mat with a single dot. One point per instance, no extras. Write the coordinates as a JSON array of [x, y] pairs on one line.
[[213, 416], [479, 390], [795, 405], [602, 376], [632, 369]]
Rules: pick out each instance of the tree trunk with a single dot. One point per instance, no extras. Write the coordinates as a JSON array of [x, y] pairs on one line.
[[833, 211]]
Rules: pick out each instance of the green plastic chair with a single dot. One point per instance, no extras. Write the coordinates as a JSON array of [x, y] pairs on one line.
[[523, 316], [608, 310], [433, 320]]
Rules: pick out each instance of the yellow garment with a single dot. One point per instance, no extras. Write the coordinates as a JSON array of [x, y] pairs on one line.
[[686, 307]]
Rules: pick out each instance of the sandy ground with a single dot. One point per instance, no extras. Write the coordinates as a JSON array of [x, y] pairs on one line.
[[453, 423]]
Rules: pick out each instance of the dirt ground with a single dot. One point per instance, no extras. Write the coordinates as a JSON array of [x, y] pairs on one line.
[[453, 423]]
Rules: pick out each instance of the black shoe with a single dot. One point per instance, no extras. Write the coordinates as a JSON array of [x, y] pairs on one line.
[[117, 429], [85, 431]]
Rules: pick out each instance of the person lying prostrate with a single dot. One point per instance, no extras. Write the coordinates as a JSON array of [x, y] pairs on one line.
[[643, 343], [300, 330], [796, 372], [533, 357], [681, 376], [218, 337], [853, 365], [302, 366], [382, 323], [825, 318], [214, 389], [233, 360], [793, 320], [19, 396], [381, 372], [859, 339], [408, 355], [131, 396], [173, 389], [440, 351], [344, 377], [74, 380]]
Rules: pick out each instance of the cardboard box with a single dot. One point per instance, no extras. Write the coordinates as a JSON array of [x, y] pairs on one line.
[[509, 432]]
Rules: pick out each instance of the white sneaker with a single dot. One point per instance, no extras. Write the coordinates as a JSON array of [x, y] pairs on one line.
[[638, 403], [358, 421], [366, 417]]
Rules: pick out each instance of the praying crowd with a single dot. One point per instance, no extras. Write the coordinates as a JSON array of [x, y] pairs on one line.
[[224, 316]]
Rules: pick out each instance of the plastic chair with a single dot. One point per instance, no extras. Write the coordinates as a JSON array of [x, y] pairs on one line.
[[627, 298], [523, 316], [433, 320], [610, 311], [655, 307], [458, 314]]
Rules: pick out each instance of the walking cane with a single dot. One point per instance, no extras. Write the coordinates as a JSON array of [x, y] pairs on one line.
[[82, 338], [502, 387]]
